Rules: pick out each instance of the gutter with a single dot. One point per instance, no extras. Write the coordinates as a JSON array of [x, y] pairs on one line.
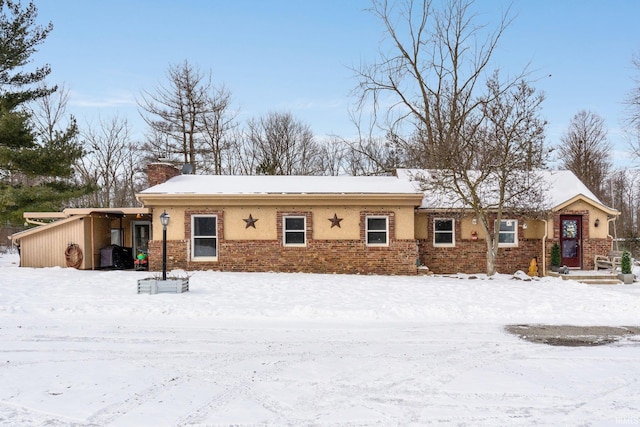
[[613, 238]]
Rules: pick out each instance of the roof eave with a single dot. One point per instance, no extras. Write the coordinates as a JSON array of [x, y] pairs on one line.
[[606, 209], [273, 199]]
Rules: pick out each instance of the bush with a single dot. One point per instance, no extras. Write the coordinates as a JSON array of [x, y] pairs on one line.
[[555, 255], [625, 262]]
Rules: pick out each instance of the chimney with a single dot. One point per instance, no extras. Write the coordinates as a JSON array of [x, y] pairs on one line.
[[157, 173]]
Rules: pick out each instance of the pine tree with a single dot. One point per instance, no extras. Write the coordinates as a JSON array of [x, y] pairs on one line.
[[35, 169]]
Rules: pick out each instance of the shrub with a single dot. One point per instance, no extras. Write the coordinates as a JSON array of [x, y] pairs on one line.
[[555, 254], [625, 262]]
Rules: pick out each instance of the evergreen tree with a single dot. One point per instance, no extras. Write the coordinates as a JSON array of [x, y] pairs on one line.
[[35, 167]]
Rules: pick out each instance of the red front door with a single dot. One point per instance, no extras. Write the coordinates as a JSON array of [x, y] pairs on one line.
[[570, 240]]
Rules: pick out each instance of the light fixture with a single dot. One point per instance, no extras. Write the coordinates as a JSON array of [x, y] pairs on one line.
[[597, 223], [474, 221], [524, 226], [164, 220]]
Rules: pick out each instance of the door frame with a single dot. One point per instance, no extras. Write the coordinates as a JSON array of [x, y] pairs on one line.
[[133, 235], [578, 239]]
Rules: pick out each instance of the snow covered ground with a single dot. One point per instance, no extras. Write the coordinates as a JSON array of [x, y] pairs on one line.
[[81, 348]]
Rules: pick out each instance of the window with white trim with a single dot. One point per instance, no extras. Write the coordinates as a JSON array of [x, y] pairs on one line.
[[444, 232], [377, 230], [294, 230], [508, 236], [204, 237]]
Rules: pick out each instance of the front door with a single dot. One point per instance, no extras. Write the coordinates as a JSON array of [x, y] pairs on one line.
[[570, 240], [140, 236]]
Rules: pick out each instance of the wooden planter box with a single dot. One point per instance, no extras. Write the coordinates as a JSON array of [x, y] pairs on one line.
[[159, 286]]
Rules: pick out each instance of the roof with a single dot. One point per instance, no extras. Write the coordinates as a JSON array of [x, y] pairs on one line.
[[69, 215], [281, 184], [40, 228], [85, 211], [562, 186]]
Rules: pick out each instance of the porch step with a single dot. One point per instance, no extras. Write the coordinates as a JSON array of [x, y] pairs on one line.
[[588, 277], [600, 281]]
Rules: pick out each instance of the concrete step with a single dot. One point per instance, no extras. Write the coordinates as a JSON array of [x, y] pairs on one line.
[[589, 277], [600, 281]]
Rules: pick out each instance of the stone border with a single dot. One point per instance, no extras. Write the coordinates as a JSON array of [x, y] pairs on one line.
[[573, 336]]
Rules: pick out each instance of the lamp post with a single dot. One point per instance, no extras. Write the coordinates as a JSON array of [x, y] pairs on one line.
[[164, 220]]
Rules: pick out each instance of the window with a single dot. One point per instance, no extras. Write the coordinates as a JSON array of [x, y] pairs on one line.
[[117, 236], [508, 236], [294, 230], [377, 230], [204, 237], [443, 232]]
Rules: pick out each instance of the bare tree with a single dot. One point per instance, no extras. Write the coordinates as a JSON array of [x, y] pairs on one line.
[[279, 144], [372, 155], [50, 111], [217, 124], [158, 144], [502, 178], [111, 164], [479, 134], [586, 151], [331, 156], [192, 114], [56, 129]]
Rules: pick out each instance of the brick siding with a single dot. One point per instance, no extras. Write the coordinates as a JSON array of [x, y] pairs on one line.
[[355, 257], [317, 256], [470, 256]]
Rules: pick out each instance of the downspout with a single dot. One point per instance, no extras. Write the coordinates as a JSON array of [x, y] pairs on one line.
[[544, 248], [613, 238], [93, 266]]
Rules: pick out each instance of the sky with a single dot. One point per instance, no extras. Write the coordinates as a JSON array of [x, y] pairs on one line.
[[298, 56]]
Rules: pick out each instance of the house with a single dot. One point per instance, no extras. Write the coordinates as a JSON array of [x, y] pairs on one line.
[[344, 224]]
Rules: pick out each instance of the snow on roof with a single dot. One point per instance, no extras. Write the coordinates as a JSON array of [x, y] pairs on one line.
[[282, 184], [563, 185]]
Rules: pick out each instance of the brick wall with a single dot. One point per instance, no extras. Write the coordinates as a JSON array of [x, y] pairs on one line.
[[470, 256], [355, 257], [157, 173], [318, 256]]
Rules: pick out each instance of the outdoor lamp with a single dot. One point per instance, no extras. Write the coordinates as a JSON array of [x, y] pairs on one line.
[[597, 223], [164, 220]]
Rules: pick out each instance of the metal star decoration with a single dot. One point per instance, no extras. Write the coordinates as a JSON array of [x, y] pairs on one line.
[[335, 221], [251, 222]]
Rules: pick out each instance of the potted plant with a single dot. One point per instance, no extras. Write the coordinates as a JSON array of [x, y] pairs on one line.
[[555, 257], [626, 276]]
